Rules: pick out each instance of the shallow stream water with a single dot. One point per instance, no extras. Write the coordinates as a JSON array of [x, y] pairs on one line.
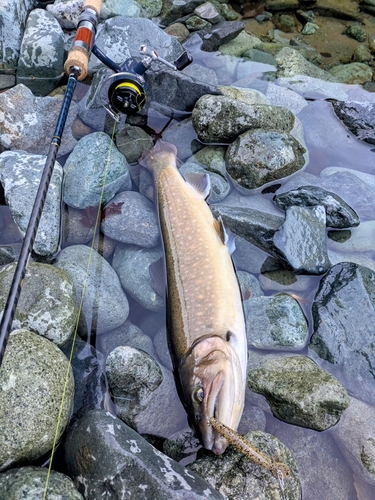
[[328, 143]]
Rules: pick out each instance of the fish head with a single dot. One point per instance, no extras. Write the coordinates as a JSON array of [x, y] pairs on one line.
[[213, 385]]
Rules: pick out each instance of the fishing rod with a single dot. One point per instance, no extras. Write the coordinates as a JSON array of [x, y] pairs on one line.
[[126, 95], [76, 68]]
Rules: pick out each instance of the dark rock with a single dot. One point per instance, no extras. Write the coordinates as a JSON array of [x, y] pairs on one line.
[[338, 213], [359, 117], [220, 33], [344, 325], [173, 10], [118, 460]]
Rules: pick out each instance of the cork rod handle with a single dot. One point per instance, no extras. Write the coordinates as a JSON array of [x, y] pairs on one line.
[[93, 4]]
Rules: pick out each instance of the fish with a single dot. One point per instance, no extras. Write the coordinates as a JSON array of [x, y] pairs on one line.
[[206, 325]]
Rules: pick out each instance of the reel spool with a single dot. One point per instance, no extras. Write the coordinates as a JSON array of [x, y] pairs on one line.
[[126, 94]]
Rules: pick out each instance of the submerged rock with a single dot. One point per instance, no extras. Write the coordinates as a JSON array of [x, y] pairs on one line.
[[359, 117], [30, 482], [219, 185], [126, 335], [344, 324], [302, 239], [94, 160], [352, 73], [47, 302], [260, 156], [20, 174], [125, 464], [34, 376], [236, 476], [297, 390], [291, 63], [104, 303], [66, 12]]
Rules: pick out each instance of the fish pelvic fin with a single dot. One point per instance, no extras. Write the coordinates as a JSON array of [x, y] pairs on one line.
[[226, 236], [163, 154], [200, 182]]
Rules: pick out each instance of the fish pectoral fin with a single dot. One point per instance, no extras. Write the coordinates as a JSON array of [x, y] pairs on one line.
[[200, 182], [158, 277], [226, 236]]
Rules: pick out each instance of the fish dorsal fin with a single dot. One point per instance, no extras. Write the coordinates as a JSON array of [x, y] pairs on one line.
[[226, 236], [200, 182]]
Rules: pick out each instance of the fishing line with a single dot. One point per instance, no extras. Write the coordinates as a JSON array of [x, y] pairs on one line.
[[67, 376]]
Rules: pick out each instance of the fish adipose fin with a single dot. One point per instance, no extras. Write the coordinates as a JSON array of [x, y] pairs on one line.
[[226, 236], [200, 182]]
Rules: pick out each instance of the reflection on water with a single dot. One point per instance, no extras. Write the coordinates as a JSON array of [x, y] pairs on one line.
[[329, 143]]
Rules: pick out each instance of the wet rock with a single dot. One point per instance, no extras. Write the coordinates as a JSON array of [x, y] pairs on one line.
[[133, 266], [254, 226], [30, 482], [276, 5], [356, 32], [359, 240], [328, 476], [222, 119], [211, 158], [220, 33], [20, 174], [178, 31], [41, 60], [131, 218], [362, 54], [309, 28], [104, 303], [90, 385], [183, 136], [182, 445], [237, 47], [122, 36], [161, 347], [13, 20], [253, 419], [260, 156], [249, 285], [257, 56], [275, 323], [338, 213], [88, 166], [352, 73], [356, 438], [236, 476], [47, 303], [306, 84], [35, 127], [79, 225], [297, 390], [359, 117], [302, 239], [66, 13], [344, 10], [344, 322], [7, 255], [209, 12], [33, 377], [125, 463], [291, 63], [132, 141], [248, 96], [219, 185], [195, 23], [174, 10], [201, 74], [126, 335]]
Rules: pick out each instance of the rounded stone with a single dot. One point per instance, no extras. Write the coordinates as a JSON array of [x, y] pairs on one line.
[[33, 378]]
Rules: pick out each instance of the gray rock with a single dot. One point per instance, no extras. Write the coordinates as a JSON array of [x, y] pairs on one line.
[[219, 185], [253, 419], [220, 33], [248, 96], [7, 255], [211, 158], [356, 438], [132, 265], [36, 118], [131, 218], [20, 174], [297, 390], [321, 466], [132, 141], [125, 463], [183, 136], [195, 23], [177, 30], [356, 32], [237, 47], [201, 74], [33, 377], [280, 96], [182, 446], [291, 63], [161, 347], [302, 239], [308, 84], [254, 226], [13, 19], [360, 239], [249, 285], [79, 225], [209, 12], [173, 10], [41, 60], [90, 384], [222, 119], [344, 323], [47, 303], [275, 323], [338, 213], [133, 8], [352, 73], [104, 303], [94, 160], [236, 476], [260, 156], [126, 335], [122, 36], [66, 12], [30, 482], [359, 117]]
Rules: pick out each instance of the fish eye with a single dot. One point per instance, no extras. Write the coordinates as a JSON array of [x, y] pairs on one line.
[[198, 395]]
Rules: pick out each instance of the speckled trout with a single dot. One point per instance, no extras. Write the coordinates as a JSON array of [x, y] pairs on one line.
[[206, 327]]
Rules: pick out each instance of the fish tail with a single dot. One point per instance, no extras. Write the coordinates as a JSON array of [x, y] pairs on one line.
[[163, 154]]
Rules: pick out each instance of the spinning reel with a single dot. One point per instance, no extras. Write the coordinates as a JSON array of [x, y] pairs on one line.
[[126, 91]]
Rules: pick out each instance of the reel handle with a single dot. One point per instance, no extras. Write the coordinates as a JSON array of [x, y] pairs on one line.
[[79, 54]]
